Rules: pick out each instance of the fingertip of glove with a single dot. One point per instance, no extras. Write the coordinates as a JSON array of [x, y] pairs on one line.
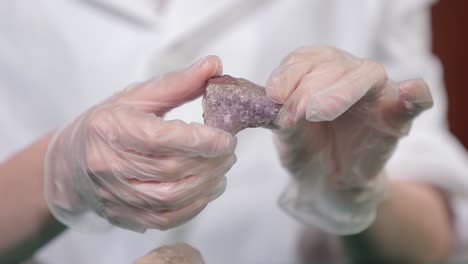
[[221, 142], [210, 65], [229, 143], [313, 115], [326, 108], [416, 95], [285, 119], [272, 90]]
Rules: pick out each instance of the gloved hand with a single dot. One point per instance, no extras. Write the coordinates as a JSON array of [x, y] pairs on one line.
[[340, 122], [122, 161]]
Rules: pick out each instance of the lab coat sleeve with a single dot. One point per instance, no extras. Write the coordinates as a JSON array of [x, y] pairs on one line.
[[430, 153]]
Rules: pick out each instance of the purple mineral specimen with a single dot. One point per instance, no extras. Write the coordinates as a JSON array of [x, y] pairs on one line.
[[233, 104]]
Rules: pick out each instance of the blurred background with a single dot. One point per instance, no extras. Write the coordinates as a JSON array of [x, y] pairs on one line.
[[450, 44]]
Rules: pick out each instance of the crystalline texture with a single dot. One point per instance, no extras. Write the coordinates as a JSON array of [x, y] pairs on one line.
[[233, 104], [179, 253]]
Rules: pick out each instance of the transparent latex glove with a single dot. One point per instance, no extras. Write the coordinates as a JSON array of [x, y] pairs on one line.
[[340, 121], [122, 162]]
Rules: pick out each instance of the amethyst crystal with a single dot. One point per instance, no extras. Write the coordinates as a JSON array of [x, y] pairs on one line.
[[233, 104]]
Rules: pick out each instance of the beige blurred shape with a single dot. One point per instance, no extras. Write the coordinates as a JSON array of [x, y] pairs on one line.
[[179, 253]]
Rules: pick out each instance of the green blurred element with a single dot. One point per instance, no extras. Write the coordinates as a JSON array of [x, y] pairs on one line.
[[359, 250], [26, 249]]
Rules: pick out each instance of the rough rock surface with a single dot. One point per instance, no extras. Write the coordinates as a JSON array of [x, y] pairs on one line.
[[179, 253], [233, 104]]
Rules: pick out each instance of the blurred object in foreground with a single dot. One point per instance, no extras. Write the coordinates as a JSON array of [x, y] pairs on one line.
[[179, 253], [450, 44]]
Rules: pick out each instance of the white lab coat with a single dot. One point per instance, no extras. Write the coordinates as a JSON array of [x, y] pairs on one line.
[[57, 58]]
